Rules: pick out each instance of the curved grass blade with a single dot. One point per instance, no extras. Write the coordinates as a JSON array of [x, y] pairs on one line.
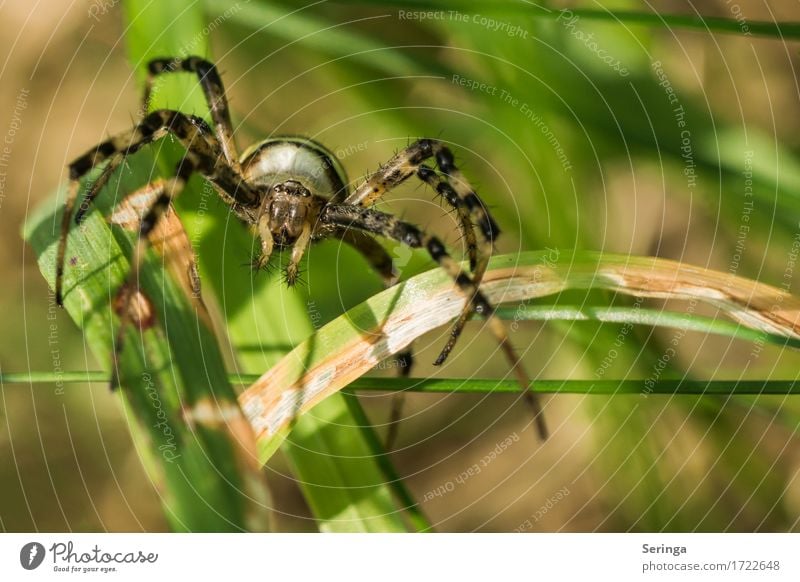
[[643, 316], [354, 343]]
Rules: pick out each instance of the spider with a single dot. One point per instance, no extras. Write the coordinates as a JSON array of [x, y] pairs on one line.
[[293, 192]]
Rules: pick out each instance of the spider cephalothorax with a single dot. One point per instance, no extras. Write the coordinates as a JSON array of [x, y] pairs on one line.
[[293, 192], [297, 178]]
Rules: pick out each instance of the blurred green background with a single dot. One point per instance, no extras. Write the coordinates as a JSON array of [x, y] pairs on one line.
[[612, 136]]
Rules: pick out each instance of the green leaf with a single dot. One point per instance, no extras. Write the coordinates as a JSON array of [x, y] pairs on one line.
[[204, 467], [193, 439], [346, 496], [782, 30], [296, 27], [348, 347]]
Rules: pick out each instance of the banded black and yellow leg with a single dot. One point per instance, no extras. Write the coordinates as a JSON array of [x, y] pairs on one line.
[[214, 92], [386, 225], [217, 102], [479, 252], [161, 193], [408, 162], [478, 216], [380, 260], [97, 186], [455, 190], [113, 149], [192, 132]]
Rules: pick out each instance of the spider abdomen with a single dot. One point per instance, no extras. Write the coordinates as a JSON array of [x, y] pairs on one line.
[[278, 160]]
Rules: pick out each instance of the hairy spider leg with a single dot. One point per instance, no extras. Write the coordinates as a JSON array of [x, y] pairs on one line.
[[163, 192], [456, 191], [191, 131], [383, 224], [97, 186], [116, 160], [214, 91], [127, 292], [382, 263]]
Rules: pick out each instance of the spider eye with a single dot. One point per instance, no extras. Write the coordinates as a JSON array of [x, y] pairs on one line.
[[291, 188]]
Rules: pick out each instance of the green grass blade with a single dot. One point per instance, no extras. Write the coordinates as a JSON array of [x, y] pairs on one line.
[[418, 520], [200, 463], [207, 478], [644, 316], [491, 386], [309, 32], [645, 386], [351, 345], [349, 496], [782, 30]]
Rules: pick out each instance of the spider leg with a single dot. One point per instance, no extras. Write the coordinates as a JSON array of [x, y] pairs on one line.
[[162, 193], [383, 224], [404, 165], [192, 132], [214, 92], [97, 186], [455, 190], [479, 215], [380, 260], [373, 252]]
